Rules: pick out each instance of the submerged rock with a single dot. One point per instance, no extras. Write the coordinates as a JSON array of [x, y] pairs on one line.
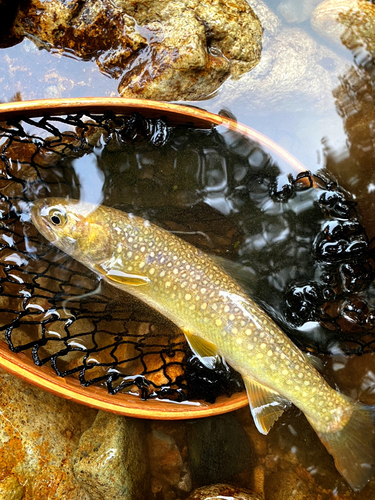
[[221, 491], [271, 23], [168, 456], [218, 449], [294, 72], [350, 23], [287, 484], [170, 50], [296, 12], [111, 459], [8, 9], [38, 435]]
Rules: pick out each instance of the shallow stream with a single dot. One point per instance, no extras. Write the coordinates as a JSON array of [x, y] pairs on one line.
[[306, 251]]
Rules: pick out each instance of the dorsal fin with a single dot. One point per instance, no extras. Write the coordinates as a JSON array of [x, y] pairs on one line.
[[266, 405]]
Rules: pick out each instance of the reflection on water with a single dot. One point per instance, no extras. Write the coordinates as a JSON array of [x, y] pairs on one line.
[[307, 251], [300, 248]]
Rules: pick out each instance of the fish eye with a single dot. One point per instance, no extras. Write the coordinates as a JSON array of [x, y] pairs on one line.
[[57, 217]]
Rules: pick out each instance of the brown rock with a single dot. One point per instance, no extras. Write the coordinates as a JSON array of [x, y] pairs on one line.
[[38, 435], [168, 456], [165, 457], [287, 484], [96, 29], [111, 459], [223, 491], [8, 10], [181, 49]]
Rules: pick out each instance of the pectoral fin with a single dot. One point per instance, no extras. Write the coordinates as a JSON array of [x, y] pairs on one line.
[[206, 351], [266, 405], [119, 276]]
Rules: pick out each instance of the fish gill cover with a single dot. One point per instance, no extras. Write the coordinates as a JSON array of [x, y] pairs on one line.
[[307, 258]]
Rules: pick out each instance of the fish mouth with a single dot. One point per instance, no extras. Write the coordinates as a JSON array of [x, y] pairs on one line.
[[39, 210]]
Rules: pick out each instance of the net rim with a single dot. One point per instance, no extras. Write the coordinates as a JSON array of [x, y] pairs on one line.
[[96, 397]]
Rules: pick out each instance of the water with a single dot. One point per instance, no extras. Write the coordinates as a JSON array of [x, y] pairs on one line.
[[207, 178]]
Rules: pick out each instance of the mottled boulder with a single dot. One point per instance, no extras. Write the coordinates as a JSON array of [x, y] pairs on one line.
[[38, 435], [96, 29], [111, 459], [180, 49]]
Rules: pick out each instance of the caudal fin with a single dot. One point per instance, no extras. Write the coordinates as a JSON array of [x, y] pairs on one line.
[[353, 448]]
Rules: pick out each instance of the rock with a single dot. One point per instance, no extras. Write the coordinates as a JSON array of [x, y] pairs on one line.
[[218, 449], [170, 50], [111, 459], [271, 23], [296, 12], [165, 457], [347, 22], [294, 72], [287, 484], [38, 435], [354, 99], [8, 9], [10, 489], [223, 491], [168, 455]]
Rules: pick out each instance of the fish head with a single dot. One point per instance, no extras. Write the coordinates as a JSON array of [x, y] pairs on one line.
[[77, 228]]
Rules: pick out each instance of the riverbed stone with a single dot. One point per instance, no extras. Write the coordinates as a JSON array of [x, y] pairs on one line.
[[168, 456], [349, 23], [218, 449], [8, 10], [221, 491], [111, 459], [169, 50], [165, 457], [38, 435], [287, 484], [271, 23], [296, 12], [294, 72]]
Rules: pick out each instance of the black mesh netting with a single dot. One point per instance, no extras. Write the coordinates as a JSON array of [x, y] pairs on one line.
[[298, 236]]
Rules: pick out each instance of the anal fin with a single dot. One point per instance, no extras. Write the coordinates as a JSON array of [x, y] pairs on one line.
[[266, 405], [204, 350]]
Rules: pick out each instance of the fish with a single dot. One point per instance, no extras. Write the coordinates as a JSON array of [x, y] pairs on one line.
[[218, 318]]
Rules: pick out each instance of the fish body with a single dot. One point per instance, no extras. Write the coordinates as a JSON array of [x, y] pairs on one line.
[[218, 318]]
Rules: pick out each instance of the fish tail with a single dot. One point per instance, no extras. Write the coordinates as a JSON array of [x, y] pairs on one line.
[[353, 447]]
